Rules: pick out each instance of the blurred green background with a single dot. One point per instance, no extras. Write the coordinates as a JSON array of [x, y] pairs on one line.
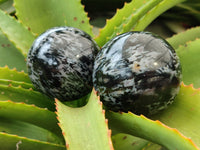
[[175, 20]]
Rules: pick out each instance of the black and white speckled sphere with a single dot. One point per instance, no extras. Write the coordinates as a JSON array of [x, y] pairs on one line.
[[60, 63], [138, 72]]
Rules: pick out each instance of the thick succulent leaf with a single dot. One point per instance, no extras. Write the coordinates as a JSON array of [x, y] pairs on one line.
[[122, 16], [41, 15], [30, 131], [31, 114], [14, 78], [7, 6], [29, 96], [184, 113], [189, 58], [152, 146], [186, 106], [137, 14], [154, 131], [14, 75], [16, 84], [84, 127], [10, 56], [16, 32], [155, 12], [184, 37], [127, 142], [14, 142]]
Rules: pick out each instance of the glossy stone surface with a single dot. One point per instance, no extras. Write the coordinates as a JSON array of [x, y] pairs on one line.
[[60, 63], [137, 72]]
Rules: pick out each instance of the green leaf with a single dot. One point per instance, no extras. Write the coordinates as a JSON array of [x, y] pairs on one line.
[[155, 12], [16, 32], [122, 16], [27, 130], [186, 105], [189, 58], [14, 75], [16, 84], [11, 142], [29, 96], [7, 6], [41, 15], [31, 114], [84, 127], [154, 131], [127, 142], [184, 37], [137, 14], [10, 56], [130, 13], [184, 113]]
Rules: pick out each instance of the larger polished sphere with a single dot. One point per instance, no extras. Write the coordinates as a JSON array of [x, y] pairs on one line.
[[138, 72]]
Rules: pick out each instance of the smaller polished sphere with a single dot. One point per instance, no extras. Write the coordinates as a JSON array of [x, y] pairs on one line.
[[60, 63], [138, 72]]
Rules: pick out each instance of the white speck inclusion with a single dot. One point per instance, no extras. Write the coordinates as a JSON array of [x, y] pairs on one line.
[[134, 69], [60, 63]]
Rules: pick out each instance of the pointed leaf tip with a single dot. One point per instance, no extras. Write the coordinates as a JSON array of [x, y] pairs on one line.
[[92, 122]]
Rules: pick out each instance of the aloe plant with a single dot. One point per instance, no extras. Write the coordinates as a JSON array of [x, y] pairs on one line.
[[31, 120]]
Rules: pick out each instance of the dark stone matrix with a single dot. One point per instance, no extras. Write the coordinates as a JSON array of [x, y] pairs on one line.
[[138, 72], [60, 63]]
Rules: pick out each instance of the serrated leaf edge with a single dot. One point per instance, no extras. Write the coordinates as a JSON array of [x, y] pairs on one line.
[[169, 128], [190, 30], [17, 84], [136, 12], [188, 43], [175, 131], [50, 102], [90, 32], [33, 140], [190, 86], [24, 53], [14, 70], [22, 103], [154, 13], [52, 127], [81, 8], [109, 132]]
